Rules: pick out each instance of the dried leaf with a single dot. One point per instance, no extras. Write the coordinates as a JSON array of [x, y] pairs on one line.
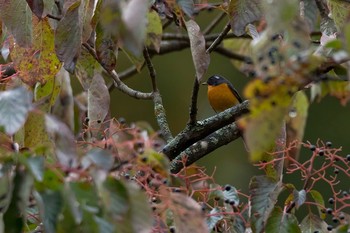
[[201, 58]]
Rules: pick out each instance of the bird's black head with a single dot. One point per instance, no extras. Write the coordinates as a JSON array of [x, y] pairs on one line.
[[216, 80]]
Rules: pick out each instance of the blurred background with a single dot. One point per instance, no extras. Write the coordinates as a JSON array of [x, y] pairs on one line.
[[327, 120]]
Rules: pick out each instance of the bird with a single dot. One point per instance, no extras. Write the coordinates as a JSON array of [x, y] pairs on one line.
[[221, 93]]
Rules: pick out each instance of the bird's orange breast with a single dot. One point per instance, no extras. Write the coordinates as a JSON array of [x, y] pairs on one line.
[[221, 97]]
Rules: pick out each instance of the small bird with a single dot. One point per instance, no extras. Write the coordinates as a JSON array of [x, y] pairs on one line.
[[221, 93]]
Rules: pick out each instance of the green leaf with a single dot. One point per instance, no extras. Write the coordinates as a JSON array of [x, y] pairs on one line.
[[154, 31], [14, 107], [264, 192], [312, 223], [35, 131], [340, 12], [320, 201], [17, 17], [242, 13], [68, 37], [200, 57], [50, 204], [296, 121], [127, 206], [36, 167], [85, 69], [282, 222], [214, 218], [63, 139], [16, 212], [39, 62], [98, 103], [343, 228], [102, 159]]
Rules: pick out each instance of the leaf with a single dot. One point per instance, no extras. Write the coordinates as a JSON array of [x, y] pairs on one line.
[[240, 46], [64, 141], [36, 167], [14, 107], [200, 57], [50, 204], [187, 6], [231, 195], [39, 62], [340, 12], [296, 121], [154, 31], [127, 205], [102, 159], [15, 214], [68, 37], [35, 131], [282, 222], [338, 89], [299, 197], [264, 192], [86, 17], [98, 102], [37, 7], [312, 223], [320, 201], [64, 106], [134, 16], [106, 48], [17, 17], [188, 215], [214, 218], [85, 69], [242, 13]]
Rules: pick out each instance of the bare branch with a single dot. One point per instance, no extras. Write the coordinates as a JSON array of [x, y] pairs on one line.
[[117, 82], [219, 39]]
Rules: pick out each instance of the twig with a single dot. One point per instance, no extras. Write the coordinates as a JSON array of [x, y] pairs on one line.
[[220, 38], [199, 149], [54, 17], [193, 107], [159, 110], [213, 23], [117, 82], [203, 128]]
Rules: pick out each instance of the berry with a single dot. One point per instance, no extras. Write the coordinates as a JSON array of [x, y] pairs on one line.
[[329, 227], [232, 203], [348, 157], [329, 144], [329, 210], [312, 147], [336, 170], [227, 201], [331, 200], [341, 216], [227, 187], [335, 220], [321, 152], [345, 193], [172, 229]]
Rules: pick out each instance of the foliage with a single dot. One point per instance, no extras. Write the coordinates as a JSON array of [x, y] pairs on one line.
[[68, 166]]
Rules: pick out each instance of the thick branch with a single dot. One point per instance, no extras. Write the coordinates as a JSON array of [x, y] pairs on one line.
[[202, 129], [203, 147], [193, 107]]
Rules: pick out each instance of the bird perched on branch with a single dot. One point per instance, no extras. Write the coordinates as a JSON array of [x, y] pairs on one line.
[[221, 93]]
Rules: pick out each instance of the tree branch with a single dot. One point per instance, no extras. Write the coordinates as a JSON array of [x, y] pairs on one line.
[[159, 110], [203, 147], [117, 82], [193, 107], [219, 39], [202, 129]]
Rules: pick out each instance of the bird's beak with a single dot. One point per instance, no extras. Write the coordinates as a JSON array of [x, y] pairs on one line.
[[205, 83]]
